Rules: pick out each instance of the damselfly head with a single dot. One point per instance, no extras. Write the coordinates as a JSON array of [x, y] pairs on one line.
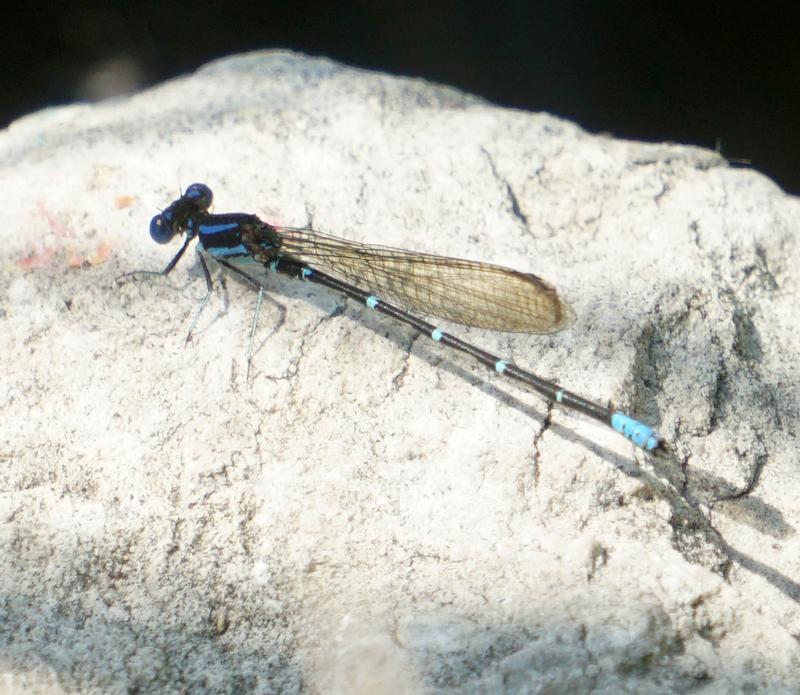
[[177, 218]]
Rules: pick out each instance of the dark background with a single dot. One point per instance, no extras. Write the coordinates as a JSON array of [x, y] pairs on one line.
[[722, 78]]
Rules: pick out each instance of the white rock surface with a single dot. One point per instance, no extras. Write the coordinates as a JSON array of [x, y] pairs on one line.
[[371, 513]]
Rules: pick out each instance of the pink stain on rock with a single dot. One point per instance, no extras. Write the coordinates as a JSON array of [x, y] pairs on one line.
[[57, 247]]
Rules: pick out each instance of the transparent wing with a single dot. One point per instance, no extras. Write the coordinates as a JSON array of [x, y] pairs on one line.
[[453, 289]]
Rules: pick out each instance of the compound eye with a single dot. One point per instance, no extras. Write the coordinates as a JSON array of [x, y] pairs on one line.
[[160, 230], [200, 195]]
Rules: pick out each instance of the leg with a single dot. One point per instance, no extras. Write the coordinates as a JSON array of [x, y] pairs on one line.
[[166, 270], [259, 301], [253, 333], [209, 290]]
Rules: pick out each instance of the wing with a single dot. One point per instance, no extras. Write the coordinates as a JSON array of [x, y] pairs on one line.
[[453, 289]]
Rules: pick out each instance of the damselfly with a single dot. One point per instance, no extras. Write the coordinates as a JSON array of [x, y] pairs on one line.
[[391, 281]]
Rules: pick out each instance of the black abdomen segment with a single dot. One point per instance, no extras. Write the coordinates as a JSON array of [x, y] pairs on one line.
[[632, 429]]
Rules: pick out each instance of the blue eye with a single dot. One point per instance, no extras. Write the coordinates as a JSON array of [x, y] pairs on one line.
[[200, 195], [160, 230]]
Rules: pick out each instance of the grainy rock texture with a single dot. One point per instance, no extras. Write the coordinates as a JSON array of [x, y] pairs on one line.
[[370, 513]]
